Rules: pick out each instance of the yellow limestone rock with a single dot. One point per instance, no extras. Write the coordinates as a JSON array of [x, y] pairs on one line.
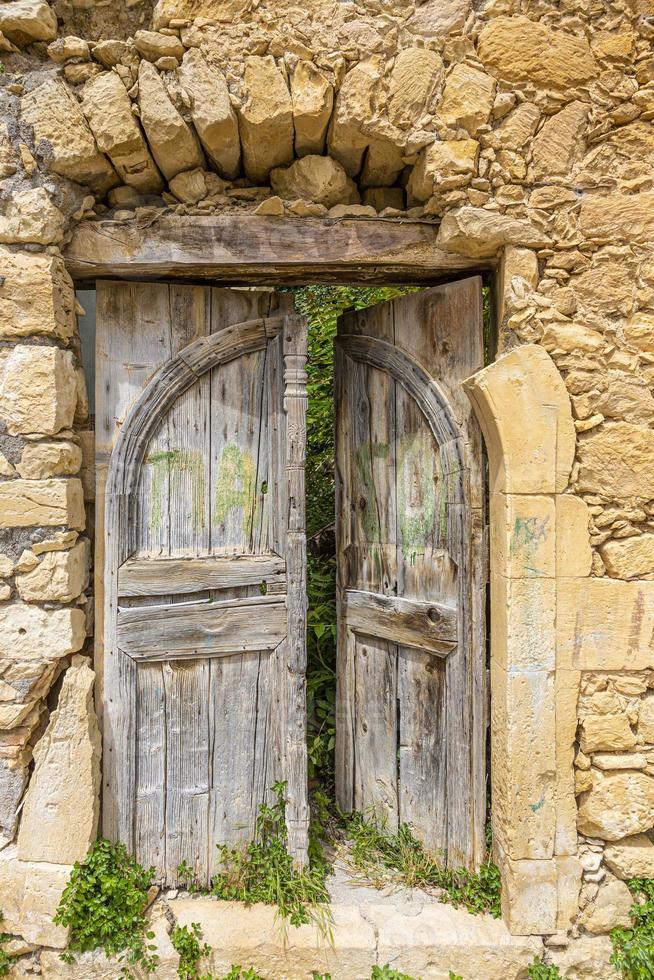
[[60, 813], [24, 21], [31, 635], [36, 297], [353, 109], [618, 805], [313, 100], [467, 98], [445, 162], [414, 79], [610, 909], [574, 555], [518, 49], [37, 390], [617, 460], [629, 557], [480, 234], [646, 720], [31, 503], [41, 460], [108, 110], [611, 217], [639, 331], [189, 186], [606, 733], [29, 896], [437, 18], [266, 119], [63, 136], [631, 857], [152, 45], [174, 144], [560, 143], [31, 217], [211, 110], [60, 577], [315, 178]]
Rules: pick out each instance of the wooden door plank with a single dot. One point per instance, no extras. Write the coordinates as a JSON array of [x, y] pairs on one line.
[[427, 625], [147, 577], [150, 789]]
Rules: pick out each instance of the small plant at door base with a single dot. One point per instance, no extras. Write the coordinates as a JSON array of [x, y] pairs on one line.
[[5, 959], [238, 973], [633, 947], [542, 971], [381, 855], [263, 871], [187, 943], [387, 973], [104, 906]]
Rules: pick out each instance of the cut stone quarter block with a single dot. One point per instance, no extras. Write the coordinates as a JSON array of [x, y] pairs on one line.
[[524, 636], [29, 896], [529, 897], [29, 633], [523, 535], [524, 410], [33, 503], [605, 624], [38, 390], [36, 297], [616, 459], [568, 885], [60, 577], [566, 685], [631, 857], [618, 805], [574, 554], [41, 460]]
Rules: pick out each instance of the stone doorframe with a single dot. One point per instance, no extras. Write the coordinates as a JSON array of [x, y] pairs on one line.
[[549, 619]]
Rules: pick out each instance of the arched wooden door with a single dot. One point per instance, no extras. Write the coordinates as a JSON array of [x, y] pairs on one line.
[[200, 425], [411, 722]]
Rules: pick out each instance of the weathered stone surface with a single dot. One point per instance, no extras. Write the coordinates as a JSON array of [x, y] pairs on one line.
[[559, 144], [606, 733], [632, 857], [37, 390], [31, 503], [415, 76], [266, 119], [521, 50], [618, 805], [32, 218], [480, 234], [626, 397], [467, 98], [211, 110], [586, 958], [312, 95], [529, 896], [152, 45], [108, 110], [384, 197], [61, 577], [36, 296], [315, 178], [646, 720], [24, 21], [624, 217], [347, 141], [574, 554], [63, 137], [610, 909], [437, 18], [445, 163], [617, 459], [30, 634], [523, 546], [189, 186], [60, 813], [627, 153], [629, 557], [69, 47], [29, 896], [9, 161], [626, 612], [639, 331], [41, 460], [174, 144], [13, 780], [619, 760]]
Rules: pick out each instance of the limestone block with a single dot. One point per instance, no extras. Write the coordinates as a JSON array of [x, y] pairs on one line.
[[315, 178], [586, 958], [515, 132], [312, 95], [631, 857], [60, 813], [211, 110], [618, 805], [443, 163], [353, 109], [13, 780], [437, 18], [68, 47], [646, 719], [41, 460], [611, 217], [31, 218], [37, 390], [9, 160], [30, 634], [603, 286], [574, 555], [480, 234], [467, 98], [626, 398], [610, 909], [560, 142], [629, 557], [60, 541], [174, 144], [87, 473], [266, 119], [523, 536], [523, 624], [566, 690], [384, 161], [62, 576], [24, 21], [63, 137], [569, 337], [189, 186], [529, 897], [518, 49], [524, 410], [518, 275], [638, 331], [568, 885], [626, 153], [31, 503], [29, 896], [617, 460], [416, 74], [152, 45], [36, 296], [606, 733], [614, 760], [108, 110]]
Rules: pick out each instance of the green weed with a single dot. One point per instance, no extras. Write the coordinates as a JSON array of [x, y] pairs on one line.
[[5, 959], [104, 906], [387, 973], [541, 971], [633, 947], [238, 973], [187, 943]]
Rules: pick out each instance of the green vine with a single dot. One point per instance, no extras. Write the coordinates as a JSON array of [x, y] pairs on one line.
[[542, 971], [5, 959], [187, 943], [633, 947]]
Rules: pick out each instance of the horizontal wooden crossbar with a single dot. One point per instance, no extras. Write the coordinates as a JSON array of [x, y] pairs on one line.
[[429, 626], [164, 576]]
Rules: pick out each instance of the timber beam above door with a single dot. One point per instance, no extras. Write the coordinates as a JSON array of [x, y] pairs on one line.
[[253, 249]]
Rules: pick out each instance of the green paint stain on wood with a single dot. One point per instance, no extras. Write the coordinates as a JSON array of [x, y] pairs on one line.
[[173, 465], [420, 494], [364, 458], [236, 489]]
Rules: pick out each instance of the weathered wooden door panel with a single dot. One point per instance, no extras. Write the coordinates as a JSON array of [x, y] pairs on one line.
[[411, 646], [201, 405]]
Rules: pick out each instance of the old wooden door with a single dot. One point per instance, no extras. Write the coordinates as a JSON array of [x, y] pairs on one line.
[[200, 418], [411, 646]]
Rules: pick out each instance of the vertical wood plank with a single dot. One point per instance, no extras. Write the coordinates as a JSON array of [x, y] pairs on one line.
[[150, 790]]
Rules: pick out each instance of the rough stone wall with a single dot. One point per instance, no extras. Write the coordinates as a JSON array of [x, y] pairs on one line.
[[523, 128]]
